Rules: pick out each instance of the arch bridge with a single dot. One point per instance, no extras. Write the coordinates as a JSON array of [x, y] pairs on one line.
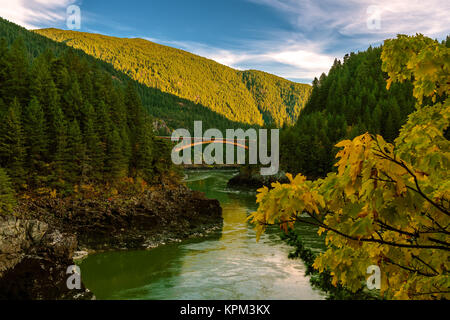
[[200, 140]]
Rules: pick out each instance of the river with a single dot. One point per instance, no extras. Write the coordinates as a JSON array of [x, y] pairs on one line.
[[228, 264]]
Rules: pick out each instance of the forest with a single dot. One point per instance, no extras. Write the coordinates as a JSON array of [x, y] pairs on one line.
[[250, 97], [163, 107], [66, 122], [350, 100]]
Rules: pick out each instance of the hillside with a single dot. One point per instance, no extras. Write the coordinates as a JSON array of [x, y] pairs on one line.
[[275, 97], [64, 123], [174, 111], [351, 100], [251, 97]]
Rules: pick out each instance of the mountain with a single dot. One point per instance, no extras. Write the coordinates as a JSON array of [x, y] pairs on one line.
[[276, 97], [251, 97], [166, 108]]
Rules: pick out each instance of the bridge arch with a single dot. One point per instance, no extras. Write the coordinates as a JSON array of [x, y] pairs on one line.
[[208, 142]]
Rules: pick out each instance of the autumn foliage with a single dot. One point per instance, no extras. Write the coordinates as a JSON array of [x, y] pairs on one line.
[[387, 204]]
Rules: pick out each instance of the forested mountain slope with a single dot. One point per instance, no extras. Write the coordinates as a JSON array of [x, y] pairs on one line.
[[175, 111], [352, 99], [276, 98], [250, 97], [66, 122]]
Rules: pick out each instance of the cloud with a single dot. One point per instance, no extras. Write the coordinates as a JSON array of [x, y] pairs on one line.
[[350, 17], [331, 28], [325, 30], [319, 31], [285, 58], [33, 14]]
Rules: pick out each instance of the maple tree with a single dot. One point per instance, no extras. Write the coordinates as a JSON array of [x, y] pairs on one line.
[[387, 204]]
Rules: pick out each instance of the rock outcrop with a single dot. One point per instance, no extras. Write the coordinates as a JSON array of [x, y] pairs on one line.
[[38, 245], [142, 221], [254, 180], [33, 261]]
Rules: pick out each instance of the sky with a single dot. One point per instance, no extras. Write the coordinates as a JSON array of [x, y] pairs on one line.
[[294, 39]]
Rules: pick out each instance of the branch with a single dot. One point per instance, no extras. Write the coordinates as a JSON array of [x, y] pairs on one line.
[[419, 259], [409, 269], [401, 163], [373, 240], [391, 228]]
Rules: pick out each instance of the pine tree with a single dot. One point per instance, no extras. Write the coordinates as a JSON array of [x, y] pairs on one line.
[[36, 141], [59, 128], [76, 154], [7, 199], [144, 152], [94, 147], [73, 101], [134, 106], [103, 121], [12, 148], [5, 70], [42, 85], [127, 151], [114, 163], [19, 83]]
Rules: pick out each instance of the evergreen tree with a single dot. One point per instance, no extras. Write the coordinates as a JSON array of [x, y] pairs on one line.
[[36, 141], [73, 101], [145, 153], [5, 69], [18, 83], [12, 147], [7, 198], [75, 154], [94, 147], [58, 158], [114, 164]]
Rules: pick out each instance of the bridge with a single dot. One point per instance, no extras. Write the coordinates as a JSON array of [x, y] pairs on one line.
[[201, 140]]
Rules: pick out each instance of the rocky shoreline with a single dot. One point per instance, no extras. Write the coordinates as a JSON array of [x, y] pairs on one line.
[[252, 179], [46, 234]]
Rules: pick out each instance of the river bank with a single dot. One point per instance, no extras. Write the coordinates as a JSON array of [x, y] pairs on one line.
[[250, 177], [40, 241], [227, 264]]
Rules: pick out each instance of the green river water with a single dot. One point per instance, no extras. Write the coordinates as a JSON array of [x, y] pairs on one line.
[[228, 264]]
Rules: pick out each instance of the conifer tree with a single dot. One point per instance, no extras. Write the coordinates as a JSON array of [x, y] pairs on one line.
[[36, 140], [58, 158], [75, 154], [5, 69], [12, 148], [73, 101], [94, 147], [145, 152], [114, 163], [7, 199], [18, 84]]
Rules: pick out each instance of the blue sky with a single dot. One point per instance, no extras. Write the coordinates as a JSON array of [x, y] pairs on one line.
[[295, 39]]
